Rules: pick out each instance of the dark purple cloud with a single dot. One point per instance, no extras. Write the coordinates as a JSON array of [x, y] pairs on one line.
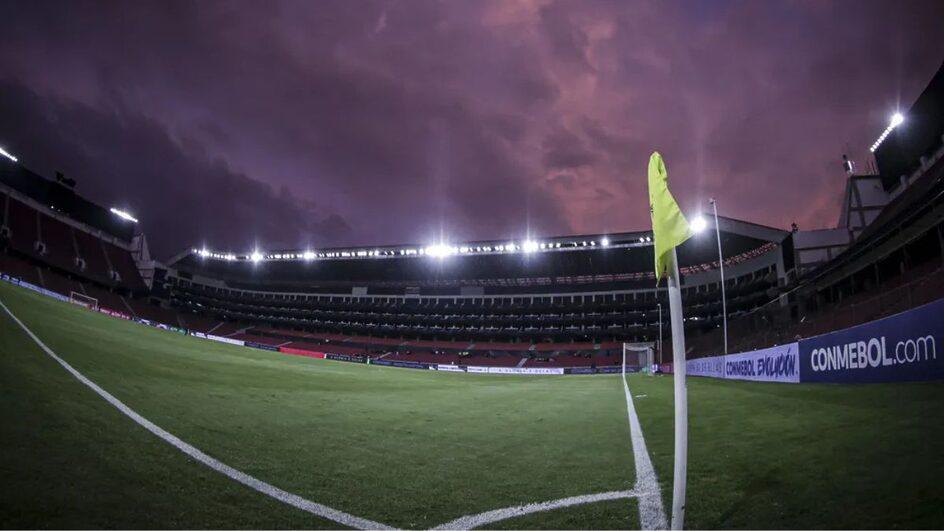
[[299, 123]]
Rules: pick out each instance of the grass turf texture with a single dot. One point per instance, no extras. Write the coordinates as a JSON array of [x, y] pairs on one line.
[[419, 448]]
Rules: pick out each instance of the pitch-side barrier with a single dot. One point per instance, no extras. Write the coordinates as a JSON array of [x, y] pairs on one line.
[[898, 348]]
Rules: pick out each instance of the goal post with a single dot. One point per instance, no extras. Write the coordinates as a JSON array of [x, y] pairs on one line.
[[639, 356], [83, 300]]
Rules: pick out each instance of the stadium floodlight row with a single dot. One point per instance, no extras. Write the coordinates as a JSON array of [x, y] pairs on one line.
[[441, 250]]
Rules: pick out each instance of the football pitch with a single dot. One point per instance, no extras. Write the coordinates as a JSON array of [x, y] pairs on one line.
[[417, 449]]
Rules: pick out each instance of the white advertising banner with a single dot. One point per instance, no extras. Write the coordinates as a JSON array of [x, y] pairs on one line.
[[524, 370], [222, 339], [449, 368], [712, 367]]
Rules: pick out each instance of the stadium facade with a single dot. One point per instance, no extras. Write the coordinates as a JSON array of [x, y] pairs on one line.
[[547, 302]]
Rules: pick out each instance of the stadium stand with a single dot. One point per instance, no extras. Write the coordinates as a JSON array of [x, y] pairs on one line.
[[262, 340], [197, 322], [503, 317], [20, 269], [123, 264], [57, 240], [91, 251], [146, 309], [23, 224]]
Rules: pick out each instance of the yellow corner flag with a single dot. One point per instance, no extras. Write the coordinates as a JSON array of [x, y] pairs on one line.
[[669, 227]]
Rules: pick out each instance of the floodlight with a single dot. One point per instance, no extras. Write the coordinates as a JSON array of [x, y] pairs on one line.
[[8, 155], [896, 120], [256, 256], [699, 224], [605, 242], [122, 214], [529, 246], [308, 255], [440, 251]]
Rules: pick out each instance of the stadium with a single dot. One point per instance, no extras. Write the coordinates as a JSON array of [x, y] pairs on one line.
[[502, 383]]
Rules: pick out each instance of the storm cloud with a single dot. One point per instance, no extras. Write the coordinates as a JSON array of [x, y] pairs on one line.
[[242, 124]]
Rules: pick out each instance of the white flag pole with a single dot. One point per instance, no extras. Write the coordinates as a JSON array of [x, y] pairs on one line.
[[681, 398]]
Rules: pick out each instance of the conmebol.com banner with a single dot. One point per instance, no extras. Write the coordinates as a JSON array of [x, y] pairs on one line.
[[899, 348]]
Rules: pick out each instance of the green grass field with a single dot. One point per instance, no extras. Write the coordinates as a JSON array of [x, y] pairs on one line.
[[416, 449]]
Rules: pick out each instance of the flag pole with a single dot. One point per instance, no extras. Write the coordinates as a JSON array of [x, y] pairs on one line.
[[670, 229], [681, 396]]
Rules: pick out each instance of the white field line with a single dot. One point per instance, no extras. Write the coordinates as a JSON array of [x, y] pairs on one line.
[[646, 491], [269, 490], [490, 517], [651, 512]]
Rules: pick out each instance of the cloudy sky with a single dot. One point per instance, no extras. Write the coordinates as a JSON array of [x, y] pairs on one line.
[[289, 124]]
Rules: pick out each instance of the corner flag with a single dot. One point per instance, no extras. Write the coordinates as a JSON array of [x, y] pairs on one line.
[[669, 230], [669, 226]]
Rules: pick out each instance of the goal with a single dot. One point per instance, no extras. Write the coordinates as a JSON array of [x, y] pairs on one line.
[[638, 356], [83, 300]]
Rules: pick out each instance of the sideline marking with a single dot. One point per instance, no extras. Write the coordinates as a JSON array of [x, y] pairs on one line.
[[651, 512], [250, 481], [490, 517]]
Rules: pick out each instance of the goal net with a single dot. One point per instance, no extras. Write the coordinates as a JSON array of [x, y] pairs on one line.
[[83, 300], [638, 357]]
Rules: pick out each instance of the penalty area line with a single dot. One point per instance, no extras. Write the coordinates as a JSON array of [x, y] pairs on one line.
[[258, 485]]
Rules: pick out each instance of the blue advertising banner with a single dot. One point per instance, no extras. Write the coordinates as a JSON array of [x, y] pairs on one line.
[[900, 348], [405, 364], [262, 346]]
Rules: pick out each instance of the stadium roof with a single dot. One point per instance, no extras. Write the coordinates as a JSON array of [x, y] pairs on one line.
[[64, 200], [620, 257], [918, 136]]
